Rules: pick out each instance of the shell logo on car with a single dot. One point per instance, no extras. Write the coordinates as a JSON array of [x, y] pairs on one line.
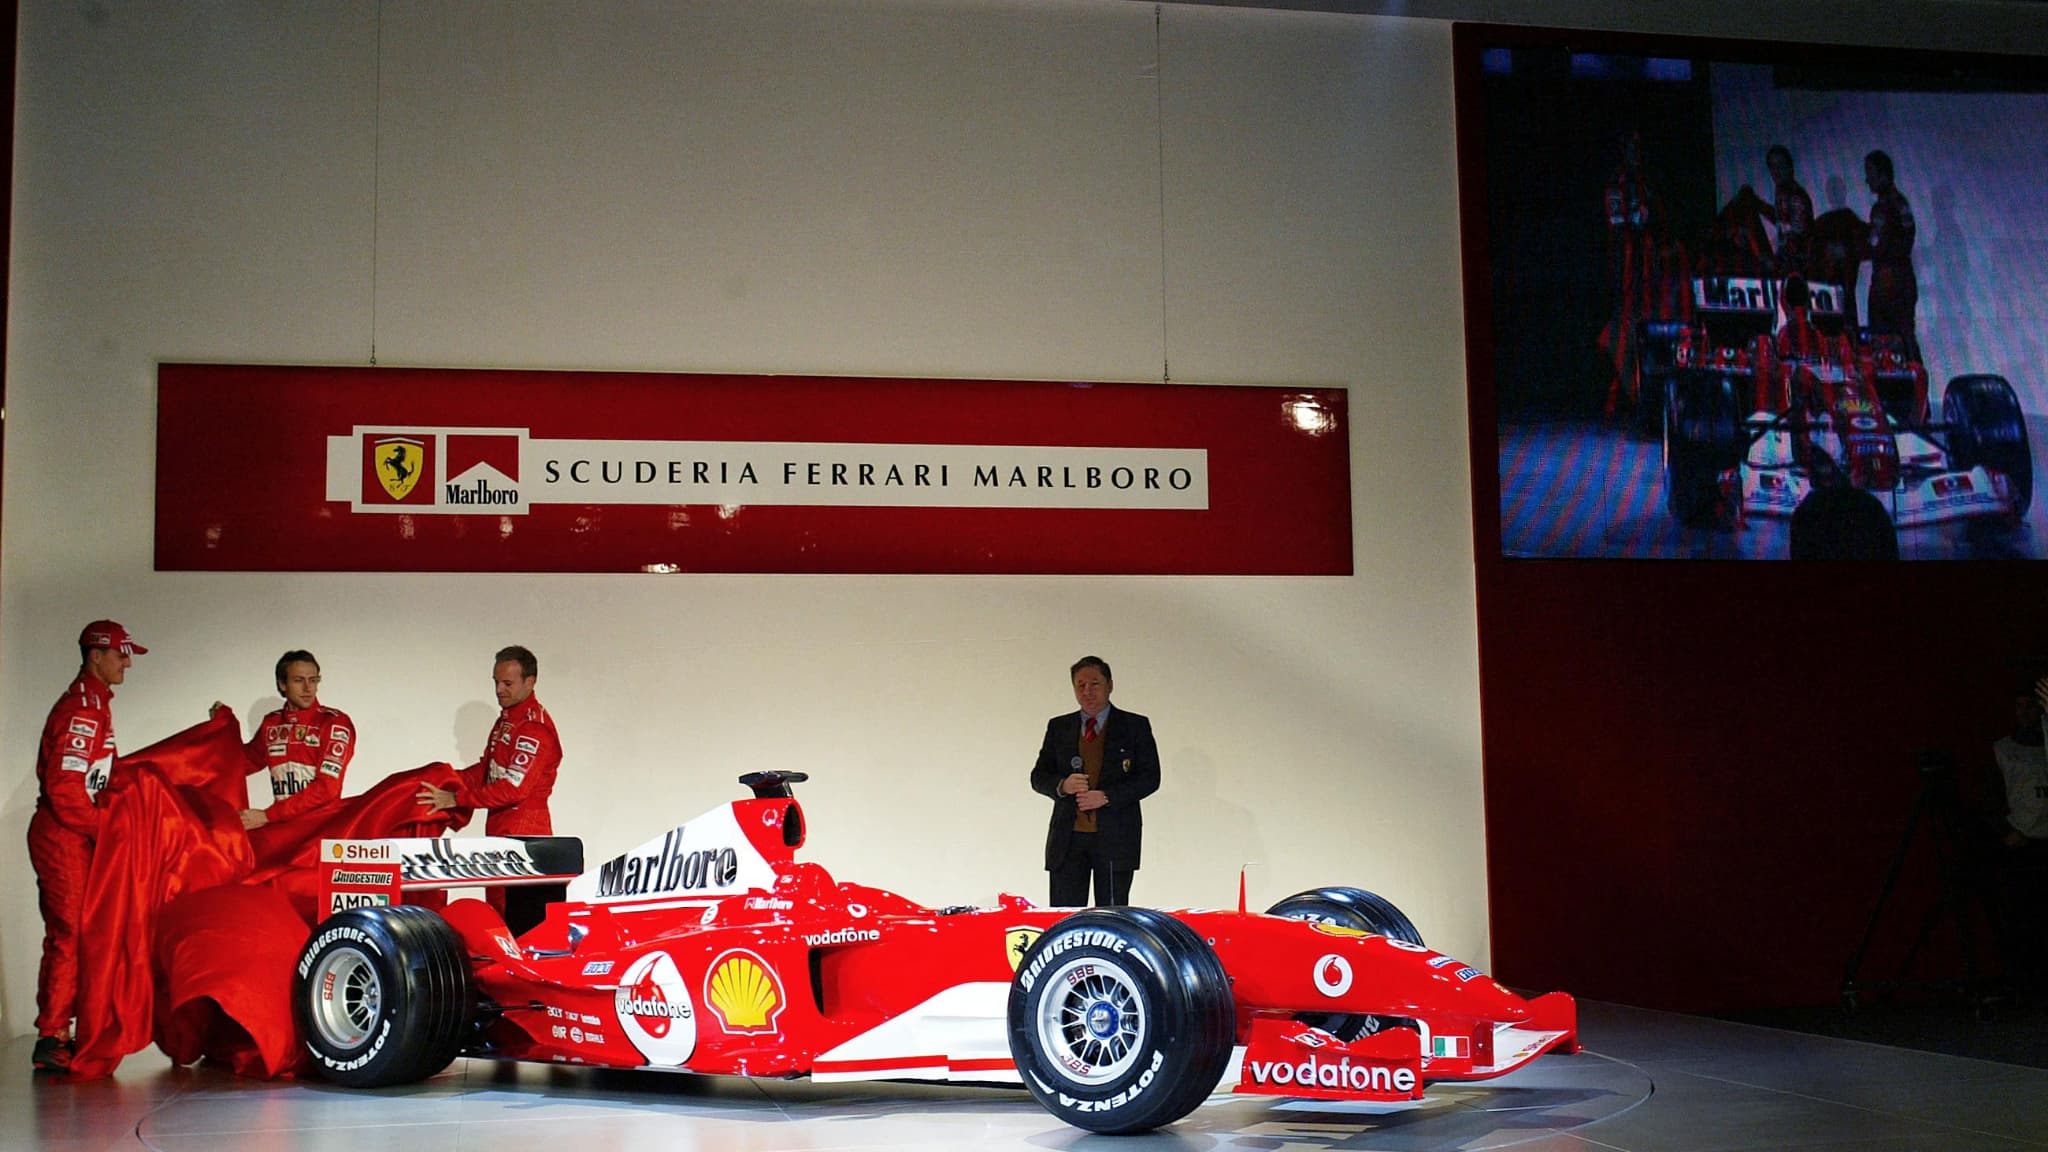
[[744, 992]]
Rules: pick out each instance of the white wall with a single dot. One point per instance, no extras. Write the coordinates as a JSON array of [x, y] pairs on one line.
[[915, 188], [1021, 189]]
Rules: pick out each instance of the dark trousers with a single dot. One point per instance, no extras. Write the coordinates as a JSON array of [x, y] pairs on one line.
[[1086, 858]]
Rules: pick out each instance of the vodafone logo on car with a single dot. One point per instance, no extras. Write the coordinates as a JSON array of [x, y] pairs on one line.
[[1333, 975], [654, 1009]]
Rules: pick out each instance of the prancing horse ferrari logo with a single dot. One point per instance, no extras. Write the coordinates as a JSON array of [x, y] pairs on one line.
[[398, 464], [1018, 941]]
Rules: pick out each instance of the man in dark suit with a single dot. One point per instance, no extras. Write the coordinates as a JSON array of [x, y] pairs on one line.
[[1096, 764]]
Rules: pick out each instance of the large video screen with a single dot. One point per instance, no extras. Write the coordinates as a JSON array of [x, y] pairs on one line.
[[1746, 301]]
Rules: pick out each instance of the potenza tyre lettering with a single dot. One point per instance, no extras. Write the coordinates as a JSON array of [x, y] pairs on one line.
[[1122, 1098], [369, 1054], [1094, 938]]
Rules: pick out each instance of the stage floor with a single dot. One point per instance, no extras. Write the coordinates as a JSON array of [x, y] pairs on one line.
[[1647, 1080]]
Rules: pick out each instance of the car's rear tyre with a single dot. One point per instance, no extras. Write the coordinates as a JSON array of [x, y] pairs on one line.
[[1121, 1020], [1986, 426], [1656, 357], [1702, 439], [1366, 912], [382, 995]]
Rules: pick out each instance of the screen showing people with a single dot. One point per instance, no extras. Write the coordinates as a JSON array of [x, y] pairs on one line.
[[1649, 220]]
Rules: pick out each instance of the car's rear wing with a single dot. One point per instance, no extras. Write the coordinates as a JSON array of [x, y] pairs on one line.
[[1759, 295], [358, 873]]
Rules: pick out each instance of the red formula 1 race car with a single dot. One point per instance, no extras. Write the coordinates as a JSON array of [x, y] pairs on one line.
[[712, 950], [1767, 403]]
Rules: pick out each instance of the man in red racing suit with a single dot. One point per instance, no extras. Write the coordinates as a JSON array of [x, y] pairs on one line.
[[73, 764], [1894, 289], [1633, 216], [1800, 340], [517, 770], [305, 745], [1791, 210], [514, 776]]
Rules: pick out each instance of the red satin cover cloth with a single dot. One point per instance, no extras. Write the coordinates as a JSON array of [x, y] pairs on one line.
[[191, 925]]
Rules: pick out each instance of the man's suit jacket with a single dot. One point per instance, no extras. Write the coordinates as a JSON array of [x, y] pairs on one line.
[[1130, 772]]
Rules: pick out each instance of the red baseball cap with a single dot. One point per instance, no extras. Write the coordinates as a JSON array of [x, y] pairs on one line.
[[107, 634]]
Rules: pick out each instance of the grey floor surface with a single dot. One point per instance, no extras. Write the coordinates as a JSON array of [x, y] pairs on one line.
[[1647, 1081]]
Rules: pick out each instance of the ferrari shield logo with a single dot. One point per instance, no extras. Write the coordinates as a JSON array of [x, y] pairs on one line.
[[399, 460], [1018, 941]]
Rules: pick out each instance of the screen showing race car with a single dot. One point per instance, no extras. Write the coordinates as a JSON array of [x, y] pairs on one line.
[[1752, 301]]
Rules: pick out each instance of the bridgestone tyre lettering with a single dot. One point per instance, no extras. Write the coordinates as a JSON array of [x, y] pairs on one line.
[[1148, 1014], [1986, 427], [383, 995], [1350, 908]]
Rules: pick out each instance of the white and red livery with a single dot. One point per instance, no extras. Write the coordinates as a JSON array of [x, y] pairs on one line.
[[711, 949]]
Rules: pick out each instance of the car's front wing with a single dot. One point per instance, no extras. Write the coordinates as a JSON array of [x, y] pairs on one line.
[[1285, 1057]]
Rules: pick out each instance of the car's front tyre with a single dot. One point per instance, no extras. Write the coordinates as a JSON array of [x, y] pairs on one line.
[[1362, 911], [1986, 426], [1121, 1020], [1703, 437]]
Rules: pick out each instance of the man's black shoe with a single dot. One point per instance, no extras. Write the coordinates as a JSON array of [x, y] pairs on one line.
[[52, 1055]]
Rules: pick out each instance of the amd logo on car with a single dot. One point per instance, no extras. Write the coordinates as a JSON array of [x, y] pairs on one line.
[[668, 869]]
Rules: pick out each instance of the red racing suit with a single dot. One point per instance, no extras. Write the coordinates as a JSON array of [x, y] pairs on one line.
[[1800, 340], [1894, 290], [1793, 214], [307, 753], [1632, 211], [73, 763], [516, 773]]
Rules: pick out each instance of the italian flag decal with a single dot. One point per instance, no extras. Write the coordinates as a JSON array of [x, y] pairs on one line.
[[1455, 1047]]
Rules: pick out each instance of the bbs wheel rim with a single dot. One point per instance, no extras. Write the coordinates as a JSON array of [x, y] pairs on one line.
[[348, 998], [1091, 1021]]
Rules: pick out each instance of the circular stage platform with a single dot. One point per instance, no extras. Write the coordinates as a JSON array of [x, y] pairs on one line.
[[1648, 1080], [515, 1107]]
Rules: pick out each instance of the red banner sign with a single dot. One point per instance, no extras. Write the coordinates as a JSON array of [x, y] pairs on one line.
[[450, 470]]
